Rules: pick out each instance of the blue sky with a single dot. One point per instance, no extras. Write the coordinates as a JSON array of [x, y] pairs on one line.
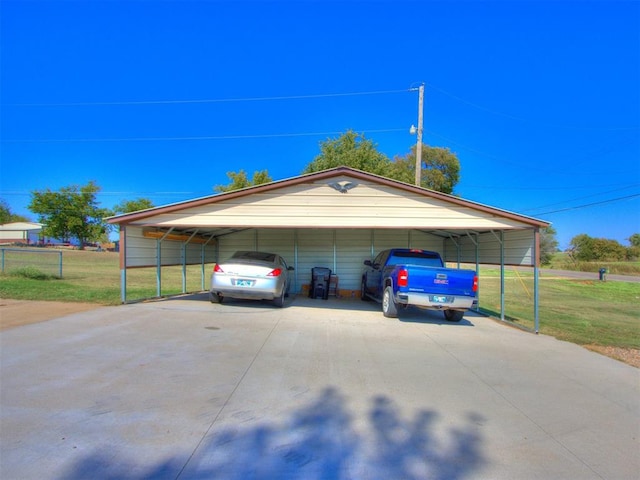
[[159, 99]]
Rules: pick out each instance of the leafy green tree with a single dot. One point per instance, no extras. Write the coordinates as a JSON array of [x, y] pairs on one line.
[[588, 249], [71, 212], [607, 249], [580, 247], [128, 206], [548, 244], [239, 180], [350, 150], [440, 168], [633, 252], [7, 216]]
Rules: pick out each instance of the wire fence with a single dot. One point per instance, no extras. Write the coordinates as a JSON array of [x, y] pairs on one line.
[[31, 262]]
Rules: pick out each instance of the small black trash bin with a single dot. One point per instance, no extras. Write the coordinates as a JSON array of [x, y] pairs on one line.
[[603, 274], [320, 277]]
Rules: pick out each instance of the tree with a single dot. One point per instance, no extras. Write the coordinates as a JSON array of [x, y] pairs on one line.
[[548, 244], [588, 249], [128, 206], [350, 150], [6, 216], [440, 168], [72, 212], [633, 252], [239, 180]]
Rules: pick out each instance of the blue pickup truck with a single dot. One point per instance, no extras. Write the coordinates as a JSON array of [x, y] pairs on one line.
[[407, 276]]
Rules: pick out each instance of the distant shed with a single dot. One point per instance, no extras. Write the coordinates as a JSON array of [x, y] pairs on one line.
[[20, 232]]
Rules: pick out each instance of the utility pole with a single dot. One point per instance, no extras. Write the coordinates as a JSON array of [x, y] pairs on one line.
[[419, 142], [419, 132]]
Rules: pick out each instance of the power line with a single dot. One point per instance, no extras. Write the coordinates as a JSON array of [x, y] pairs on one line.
[[545, 189], [474, 105], [618, 188], [217, 137], [581, 157], [590, 204], [207, 100], [522, 119], [309, 96]]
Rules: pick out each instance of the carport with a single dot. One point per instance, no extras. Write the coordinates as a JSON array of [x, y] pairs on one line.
[[336, 218]]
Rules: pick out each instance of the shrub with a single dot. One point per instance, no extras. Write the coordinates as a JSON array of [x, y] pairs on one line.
[[31, 272], [585, 248]]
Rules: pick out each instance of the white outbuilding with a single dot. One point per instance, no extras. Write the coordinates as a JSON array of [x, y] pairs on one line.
[[335, 218], [20, 232]]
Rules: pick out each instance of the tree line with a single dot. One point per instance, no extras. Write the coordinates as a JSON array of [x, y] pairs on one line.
[[73, 212], [440, 168], [584, 248]]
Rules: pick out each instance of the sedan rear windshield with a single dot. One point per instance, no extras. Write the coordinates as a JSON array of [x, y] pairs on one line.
[[261, 256]]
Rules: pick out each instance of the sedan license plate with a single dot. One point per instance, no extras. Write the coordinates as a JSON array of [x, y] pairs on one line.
[[243, 283]]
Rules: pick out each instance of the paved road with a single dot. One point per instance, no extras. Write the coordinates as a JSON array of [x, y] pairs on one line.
[[588, 275], [546, 272], [182, 389]]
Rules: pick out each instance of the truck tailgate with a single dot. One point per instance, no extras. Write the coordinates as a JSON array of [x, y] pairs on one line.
[[439, 280]]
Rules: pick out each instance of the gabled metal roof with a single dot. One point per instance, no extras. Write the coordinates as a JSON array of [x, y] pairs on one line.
[[20, 226], [158, 216]]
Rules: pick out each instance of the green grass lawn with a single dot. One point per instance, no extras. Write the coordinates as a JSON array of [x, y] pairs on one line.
[[579, 311], [582, 312], [90, 276]]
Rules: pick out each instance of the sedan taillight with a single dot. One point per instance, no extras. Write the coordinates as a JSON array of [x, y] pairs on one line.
[[217, 269], [274, 273]]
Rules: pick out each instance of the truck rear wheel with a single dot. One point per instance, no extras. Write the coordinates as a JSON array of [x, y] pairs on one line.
[[389, 307], [453, 315]]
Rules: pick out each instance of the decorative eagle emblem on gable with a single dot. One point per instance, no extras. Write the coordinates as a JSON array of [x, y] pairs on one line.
[[342, 187]]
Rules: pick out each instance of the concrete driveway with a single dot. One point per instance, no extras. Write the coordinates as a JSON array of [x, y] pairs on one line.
[[183, 389]]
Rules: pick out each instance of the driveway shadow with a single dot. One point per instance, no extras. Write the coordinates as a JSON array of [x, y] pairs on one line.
[[418, 315], [316, 441]]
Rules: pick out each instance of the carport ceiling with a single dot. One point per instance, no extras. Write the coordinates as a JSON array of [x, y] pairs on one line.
[[338, 198]]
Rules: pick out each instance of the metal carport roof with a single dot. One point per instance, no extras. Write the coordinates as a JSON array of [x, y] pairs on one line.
[[341, 198]]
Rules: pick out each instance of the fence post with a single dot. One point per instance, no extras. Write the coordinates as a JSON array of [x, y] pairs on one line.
[[60, 263], [2, 260]]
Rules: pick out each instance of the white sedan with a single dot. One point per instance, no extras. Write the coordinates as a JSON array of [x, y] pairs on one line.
[[251, 275]]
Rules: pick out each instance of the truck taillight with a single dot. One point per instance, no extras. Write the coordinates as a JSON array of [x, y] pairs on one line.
[[475, 283], [217, 269], [403, 278]]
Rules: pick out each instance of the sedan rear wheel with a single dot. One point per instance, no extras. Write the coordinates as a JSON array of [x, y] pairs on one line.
[[215, 298], [279, 301]]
